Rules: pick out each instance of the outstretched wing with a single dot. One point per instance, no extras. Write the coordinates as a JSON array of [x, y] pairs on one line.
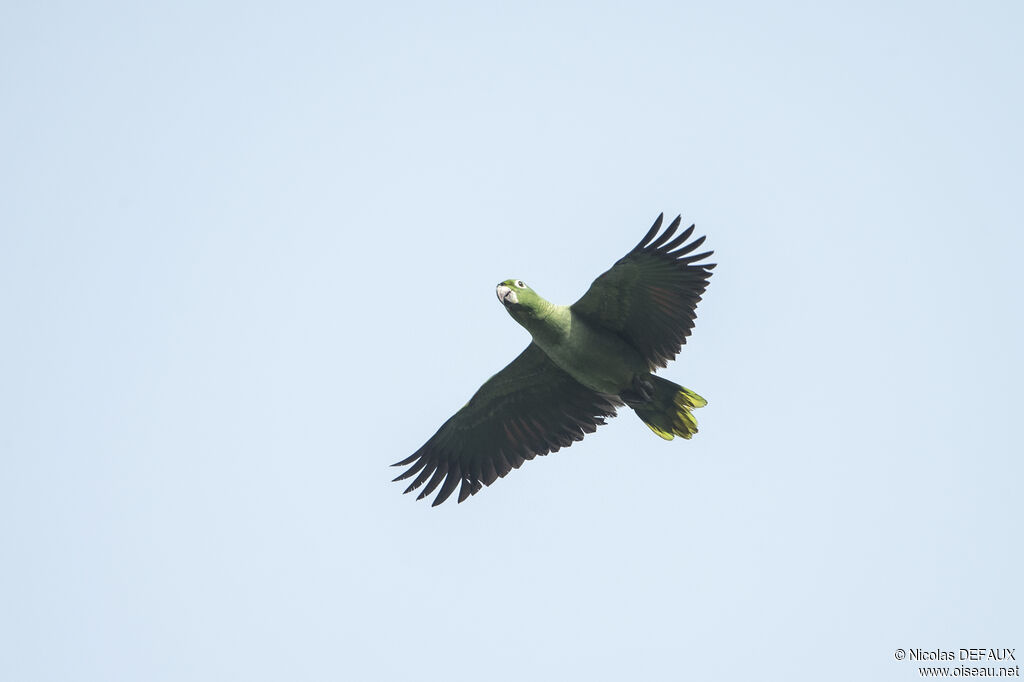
[[650, 295], [530, 408]]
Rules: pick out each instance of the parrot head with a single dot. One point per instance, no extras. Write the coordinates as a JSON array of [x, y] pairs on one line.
[[518, 298]]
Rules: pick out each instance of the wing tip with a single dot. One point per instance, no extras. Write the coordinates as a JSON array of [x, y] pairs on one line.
[[651, 232], [664, 236], [659, 243], [407, 460]]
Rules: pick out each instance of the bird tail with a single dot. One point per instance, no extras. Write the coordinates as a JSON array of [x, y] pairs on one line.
[[667, 412]]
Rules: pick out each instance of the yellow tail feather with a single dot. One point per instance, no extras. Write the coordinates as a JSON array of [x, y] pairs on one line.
[[668, 414]]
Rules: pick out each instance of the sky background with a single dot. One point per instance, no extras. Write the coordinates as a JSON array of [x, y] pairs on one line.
[[247, 260]]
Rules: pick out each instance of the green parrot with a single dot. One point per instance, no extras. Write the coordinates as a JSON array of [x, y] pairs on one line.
[[585, 360]]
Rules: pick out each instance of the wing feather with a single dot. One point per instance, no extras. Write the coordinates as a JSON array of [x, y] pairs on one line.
[[669, 231], [651, 232], [439, 473], [450, 481], [465, 490], [686, 249], [488, 474], [424, 475], [649, 297], [422, 462], [530, 408], [680, 239]]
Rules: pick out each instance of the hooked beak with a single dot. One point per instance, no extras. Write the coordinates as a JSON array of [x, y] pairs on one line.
[[506, 295]]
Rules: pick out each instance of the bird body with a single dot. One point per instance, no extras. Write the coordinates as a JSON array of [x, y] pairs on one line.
[[593, 356], [584, 361]]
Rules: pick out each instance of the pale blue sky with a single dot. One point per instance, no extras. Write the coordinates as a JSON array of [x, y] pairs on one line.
[[247, 260]]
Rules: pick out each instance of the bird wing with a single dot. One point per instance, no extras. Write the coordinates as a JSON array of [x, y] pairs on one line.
[[650, 295], [529, 408]]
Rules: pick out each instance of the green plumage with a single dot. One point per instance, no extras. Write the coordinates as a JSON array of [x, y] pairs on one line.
[[585, 361]]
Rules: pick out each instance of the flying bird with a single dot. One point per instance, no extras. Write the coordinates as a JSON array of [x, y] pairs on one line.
[[584, 361]]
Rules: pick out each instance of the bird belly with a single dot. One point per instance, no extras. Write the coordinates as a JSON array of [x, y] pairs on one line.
[[598, 359]]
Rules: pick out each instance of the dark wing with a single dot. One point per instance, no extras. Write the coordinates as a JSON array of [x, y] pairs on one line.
[[650, 295], [529, 408]]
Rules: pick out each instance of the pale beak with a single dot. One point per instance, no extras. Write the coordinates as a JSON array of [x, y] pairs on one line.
[[506, 295]]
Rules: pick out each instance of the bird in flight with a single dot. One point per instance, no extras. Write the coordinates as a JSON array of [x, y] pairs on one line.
[[584, 361]]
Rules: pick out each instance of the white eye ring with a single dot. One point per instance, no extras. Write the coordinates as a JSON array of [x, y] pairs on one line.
[[519, 283]]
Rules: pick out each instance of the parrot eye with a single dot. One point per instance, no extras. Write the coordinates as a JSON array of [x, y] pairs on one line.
[[519, 283]]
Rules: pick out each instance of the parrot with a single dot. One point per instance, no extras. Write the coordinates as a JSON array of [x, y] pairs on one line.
[[584, 361]]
